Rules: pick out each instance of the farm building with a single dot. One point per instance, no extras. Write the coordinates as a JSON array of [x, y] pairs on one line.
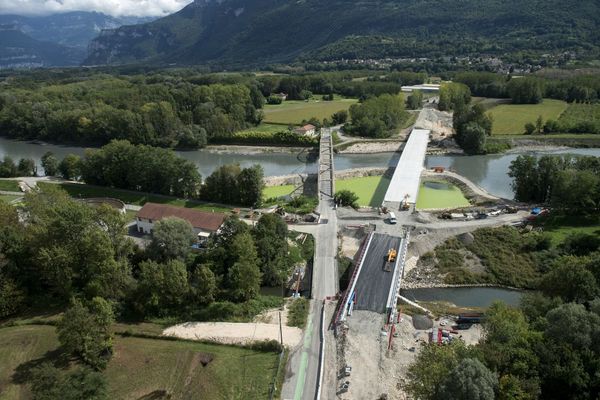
[[203, 223], [306, 130]]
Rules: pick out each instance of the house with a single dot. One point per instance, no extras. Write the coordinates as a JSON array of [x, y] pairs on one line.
[[306, 130], [282, 96], [203, 223]]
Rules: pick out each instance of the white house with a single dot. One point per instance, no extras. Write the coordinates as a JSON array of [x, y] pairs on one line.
[[306, 130], [203, 223]]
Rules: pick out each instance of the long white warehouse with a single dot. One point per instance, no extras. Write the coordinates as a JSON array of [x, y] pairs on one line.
[[404, 186]]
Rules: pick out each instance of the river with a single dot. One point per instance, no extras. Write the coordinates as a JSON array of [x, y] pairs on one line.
[[465, 296], [487, 171]]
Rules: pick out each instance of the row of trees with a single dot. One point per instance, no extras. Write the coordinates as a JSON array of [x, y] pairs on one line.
[[377, 117], [123, 165], [102, 108], [10, 169], [565, 182], [545, 349], [569, 87]]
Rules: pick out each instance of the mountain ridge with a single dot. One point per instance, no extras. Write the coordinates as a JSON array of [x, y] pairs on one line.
[[270, 31]]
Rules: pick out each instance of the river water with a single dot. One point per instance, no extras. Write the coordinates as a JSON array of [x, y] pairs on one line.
[[487, 171], [466, 296]]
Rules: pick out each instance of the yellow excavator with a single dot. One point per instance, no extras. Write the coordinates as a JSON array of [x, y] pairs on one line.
[[390, 259]]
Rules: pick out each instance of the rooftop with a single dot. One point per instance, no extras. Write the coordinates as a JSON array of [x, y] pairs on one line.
[[199, 219]]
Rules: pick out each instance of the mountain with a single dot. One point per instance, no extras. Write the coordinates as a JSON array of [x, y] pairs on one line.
[[54, 40], [255, 32], [17, 50]]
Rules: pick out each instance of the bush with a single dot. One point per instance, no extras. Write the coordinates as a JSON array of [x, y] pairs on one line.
[[267, 346], [283, 137], [274, 100], [529, 128], [298, 312], [346, 198]]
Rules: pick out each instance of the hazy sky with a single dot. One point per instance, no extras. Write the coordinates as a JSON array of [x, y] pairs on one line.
[[111, 7]]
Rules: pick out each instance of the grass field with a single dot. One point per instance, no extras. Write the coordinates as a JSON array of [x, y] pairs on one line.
[[9, 185], [510, 119], [434, 194], [142, 368], [277, 191], [294, 111], [268, 128], [136, 198], [559, 227], [369, 189], [8, 198]]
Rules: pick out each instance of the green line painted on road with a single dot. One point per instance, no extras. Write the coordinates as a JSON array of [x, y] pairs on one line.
[[303, 362]]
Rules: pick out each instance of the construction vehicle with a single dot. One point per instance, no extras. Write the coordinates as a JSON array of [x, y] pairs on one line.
[[390, 259]]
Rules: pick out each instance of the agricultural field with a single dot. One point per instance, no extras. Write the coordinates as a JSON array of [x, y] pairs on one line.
[[145, 368], [439, 194], [270, 192], [265, 128], [136, 198], [369, 189], [510, 119], [294, 111], [581, 118]]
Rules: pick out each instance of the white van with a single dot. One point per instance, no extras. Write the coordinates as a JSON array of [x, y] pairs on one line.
[[392, 219]]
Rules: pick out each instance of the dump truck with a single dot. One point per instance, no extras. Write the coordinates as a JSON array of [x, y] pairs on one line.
[[390, 259]]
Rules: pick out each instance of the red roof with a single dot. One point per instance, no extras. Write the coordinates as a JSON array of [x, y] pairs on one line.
[[199, 219], [307, 128]]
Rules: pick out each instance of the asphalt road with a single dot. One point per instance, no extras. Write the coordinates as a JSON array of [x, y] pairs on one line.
[[373, 284], [302, 373]]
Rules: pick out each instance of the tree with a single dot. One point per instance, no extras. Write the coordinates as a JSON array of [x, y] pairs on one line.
[[580, 244], [339, 117], [473, 139], [469, 380], [377, 117], [172, 238], [454, 96], [539, 125], [251, 184], [162, 287], [529, 128], [274, 100], [49, 383], [414, 100], [203, 285], [50, 164], [430, 369], [346, 198], [26, 167], [570, 280], [525, 90], [244, 276], [70, 167], [272, 247], [8, 168], [84, 331]]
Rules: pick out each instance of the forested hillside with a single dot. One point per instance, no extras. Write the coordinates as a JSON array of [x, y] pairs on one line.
[[266, 31]]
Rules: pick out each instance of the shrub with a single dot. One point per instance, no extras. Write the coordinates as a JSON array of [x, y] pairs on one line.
[[346, 198]]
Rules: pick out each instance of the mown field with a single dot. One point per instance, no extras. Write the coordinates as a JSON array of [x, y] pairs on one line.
[[145, 368], [294, 111], [86, 191], [510, 119], [446, 196], [277, 191], [581, 118], [369, 189]]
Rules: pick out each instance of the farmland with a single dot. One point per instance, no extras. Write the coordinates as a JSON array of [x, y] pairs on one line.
[[294, 111], [580, 118], [510, 119], [145, 368], [369, 189]]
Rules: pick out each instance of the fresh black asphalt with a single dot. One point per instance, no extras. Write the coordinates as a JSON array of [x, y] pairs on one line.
[[373, 284]]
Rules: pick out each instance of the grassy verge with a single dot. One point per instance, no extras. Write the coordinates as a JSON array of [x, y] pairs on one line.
[[554, 139], [277, 191], [447, 196], [298, 312], [135, 198], [559, 227], [369, 189], [510, 119], [145, 368], [9, 185], [294, 111]]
